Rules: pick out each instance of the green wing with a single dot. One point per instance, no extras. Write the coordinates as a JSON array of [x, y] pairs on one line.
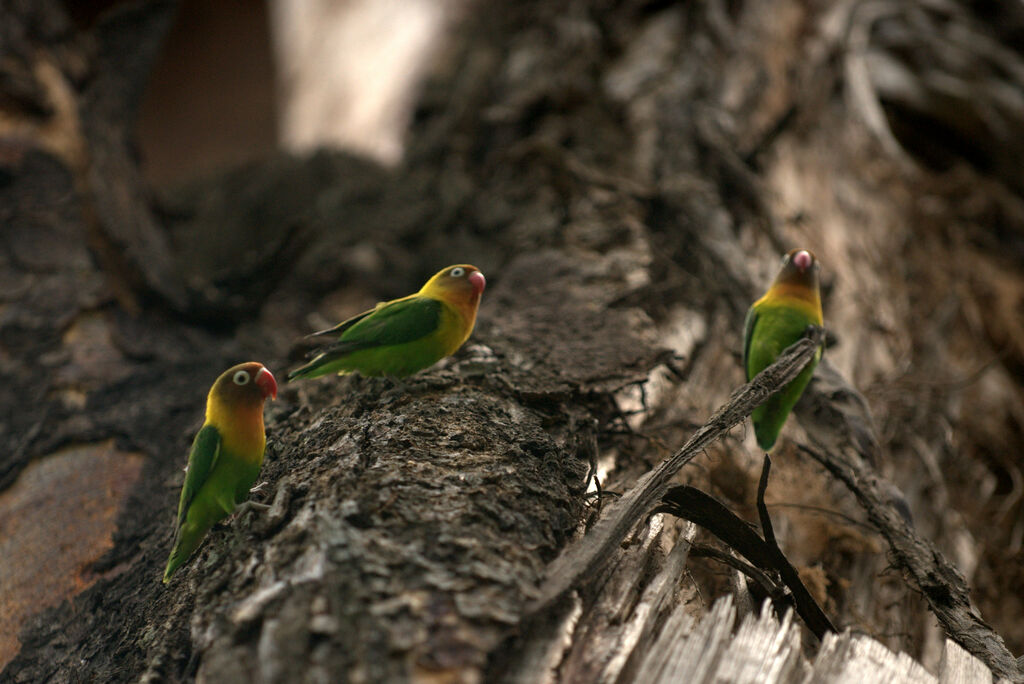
[[397, 322], [201, 459], [748, 335], [343, 326]]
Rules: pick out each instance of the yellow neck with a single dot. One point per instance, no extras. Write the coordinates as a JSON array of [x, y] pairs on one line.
[[467, 311], [240, 426], [796, 296], [465, 307]]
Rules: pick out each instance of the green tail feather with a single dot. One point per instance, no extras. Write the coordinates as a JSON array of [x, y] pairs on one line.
[[312, 369], [185, 542]]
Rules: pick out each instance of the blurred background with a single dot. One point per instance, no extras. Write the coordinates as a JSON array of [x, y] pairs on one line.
[[238, 78]]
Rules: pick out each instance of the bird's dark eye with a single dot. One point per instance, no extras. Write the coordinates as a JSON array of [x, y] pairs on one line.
[[457, 272], [241, 377]]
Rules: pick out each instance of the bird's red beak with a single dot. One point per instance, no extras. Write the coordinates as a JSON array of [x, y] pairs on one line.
[[802, 260], [476, 278], [266, 382]]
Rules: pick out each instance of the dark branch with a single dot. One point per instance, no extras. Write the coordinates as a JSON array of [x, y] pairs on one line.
[[585, 559], [762, 509], [770, 586], [807, 607], [694, 505], [833, 416]]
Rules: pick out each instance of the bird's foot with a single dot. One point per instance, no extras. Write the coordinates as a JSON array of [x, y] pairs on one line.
[[439, 382], [270, 516], [247, 506], [397, 384], [820, 333]]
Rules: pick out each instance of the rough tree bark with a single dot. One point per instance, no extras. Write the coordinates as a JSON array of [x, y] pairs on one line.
[[626, 174]]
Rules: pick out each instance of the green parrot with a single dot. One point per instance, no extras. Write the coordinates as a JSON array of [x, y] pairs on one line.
[[403, 336], [774, 322], [225, 458]]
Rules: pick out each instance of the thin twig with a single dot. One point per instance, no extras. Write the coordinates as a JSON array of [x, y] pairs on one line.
[[762, 510], [777, 594], [808, 608], [826, 512]]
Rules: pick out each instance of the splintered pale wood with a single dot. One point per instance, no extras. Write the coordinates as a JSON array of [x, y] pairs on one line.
[[609, 619], [603, 636], [652, 607], [585, 560], [960, 667], [683, 653], [854, 659], [763, 651], [628, 611]]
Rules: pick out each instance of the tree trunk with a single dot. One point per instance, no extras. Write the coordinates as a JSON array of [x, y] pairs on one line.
[[626, 174]]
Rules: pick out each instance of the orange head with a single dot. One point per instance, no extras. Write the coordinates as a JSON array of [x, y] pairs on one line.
[[461, 285], [244, 385], [797, 284], [799, 269]]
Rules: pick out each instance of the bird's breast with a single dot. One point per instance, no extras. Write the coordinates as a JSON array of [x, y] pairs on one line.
[[242, 432]]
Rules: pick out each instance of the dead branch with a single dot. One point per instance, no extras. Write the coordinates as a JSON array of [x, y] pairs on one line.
[[832, 413], [585, 559], [694, 505]]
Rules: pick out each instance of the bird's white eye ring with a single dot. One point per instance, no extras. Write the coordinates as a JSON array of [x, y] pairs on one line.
[[241, 377], [457, 272]]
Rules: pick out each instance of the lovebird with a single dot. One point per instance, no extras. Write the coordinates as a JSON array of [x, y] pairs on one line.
[[775, 321], [225, 458], [400, 337]]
